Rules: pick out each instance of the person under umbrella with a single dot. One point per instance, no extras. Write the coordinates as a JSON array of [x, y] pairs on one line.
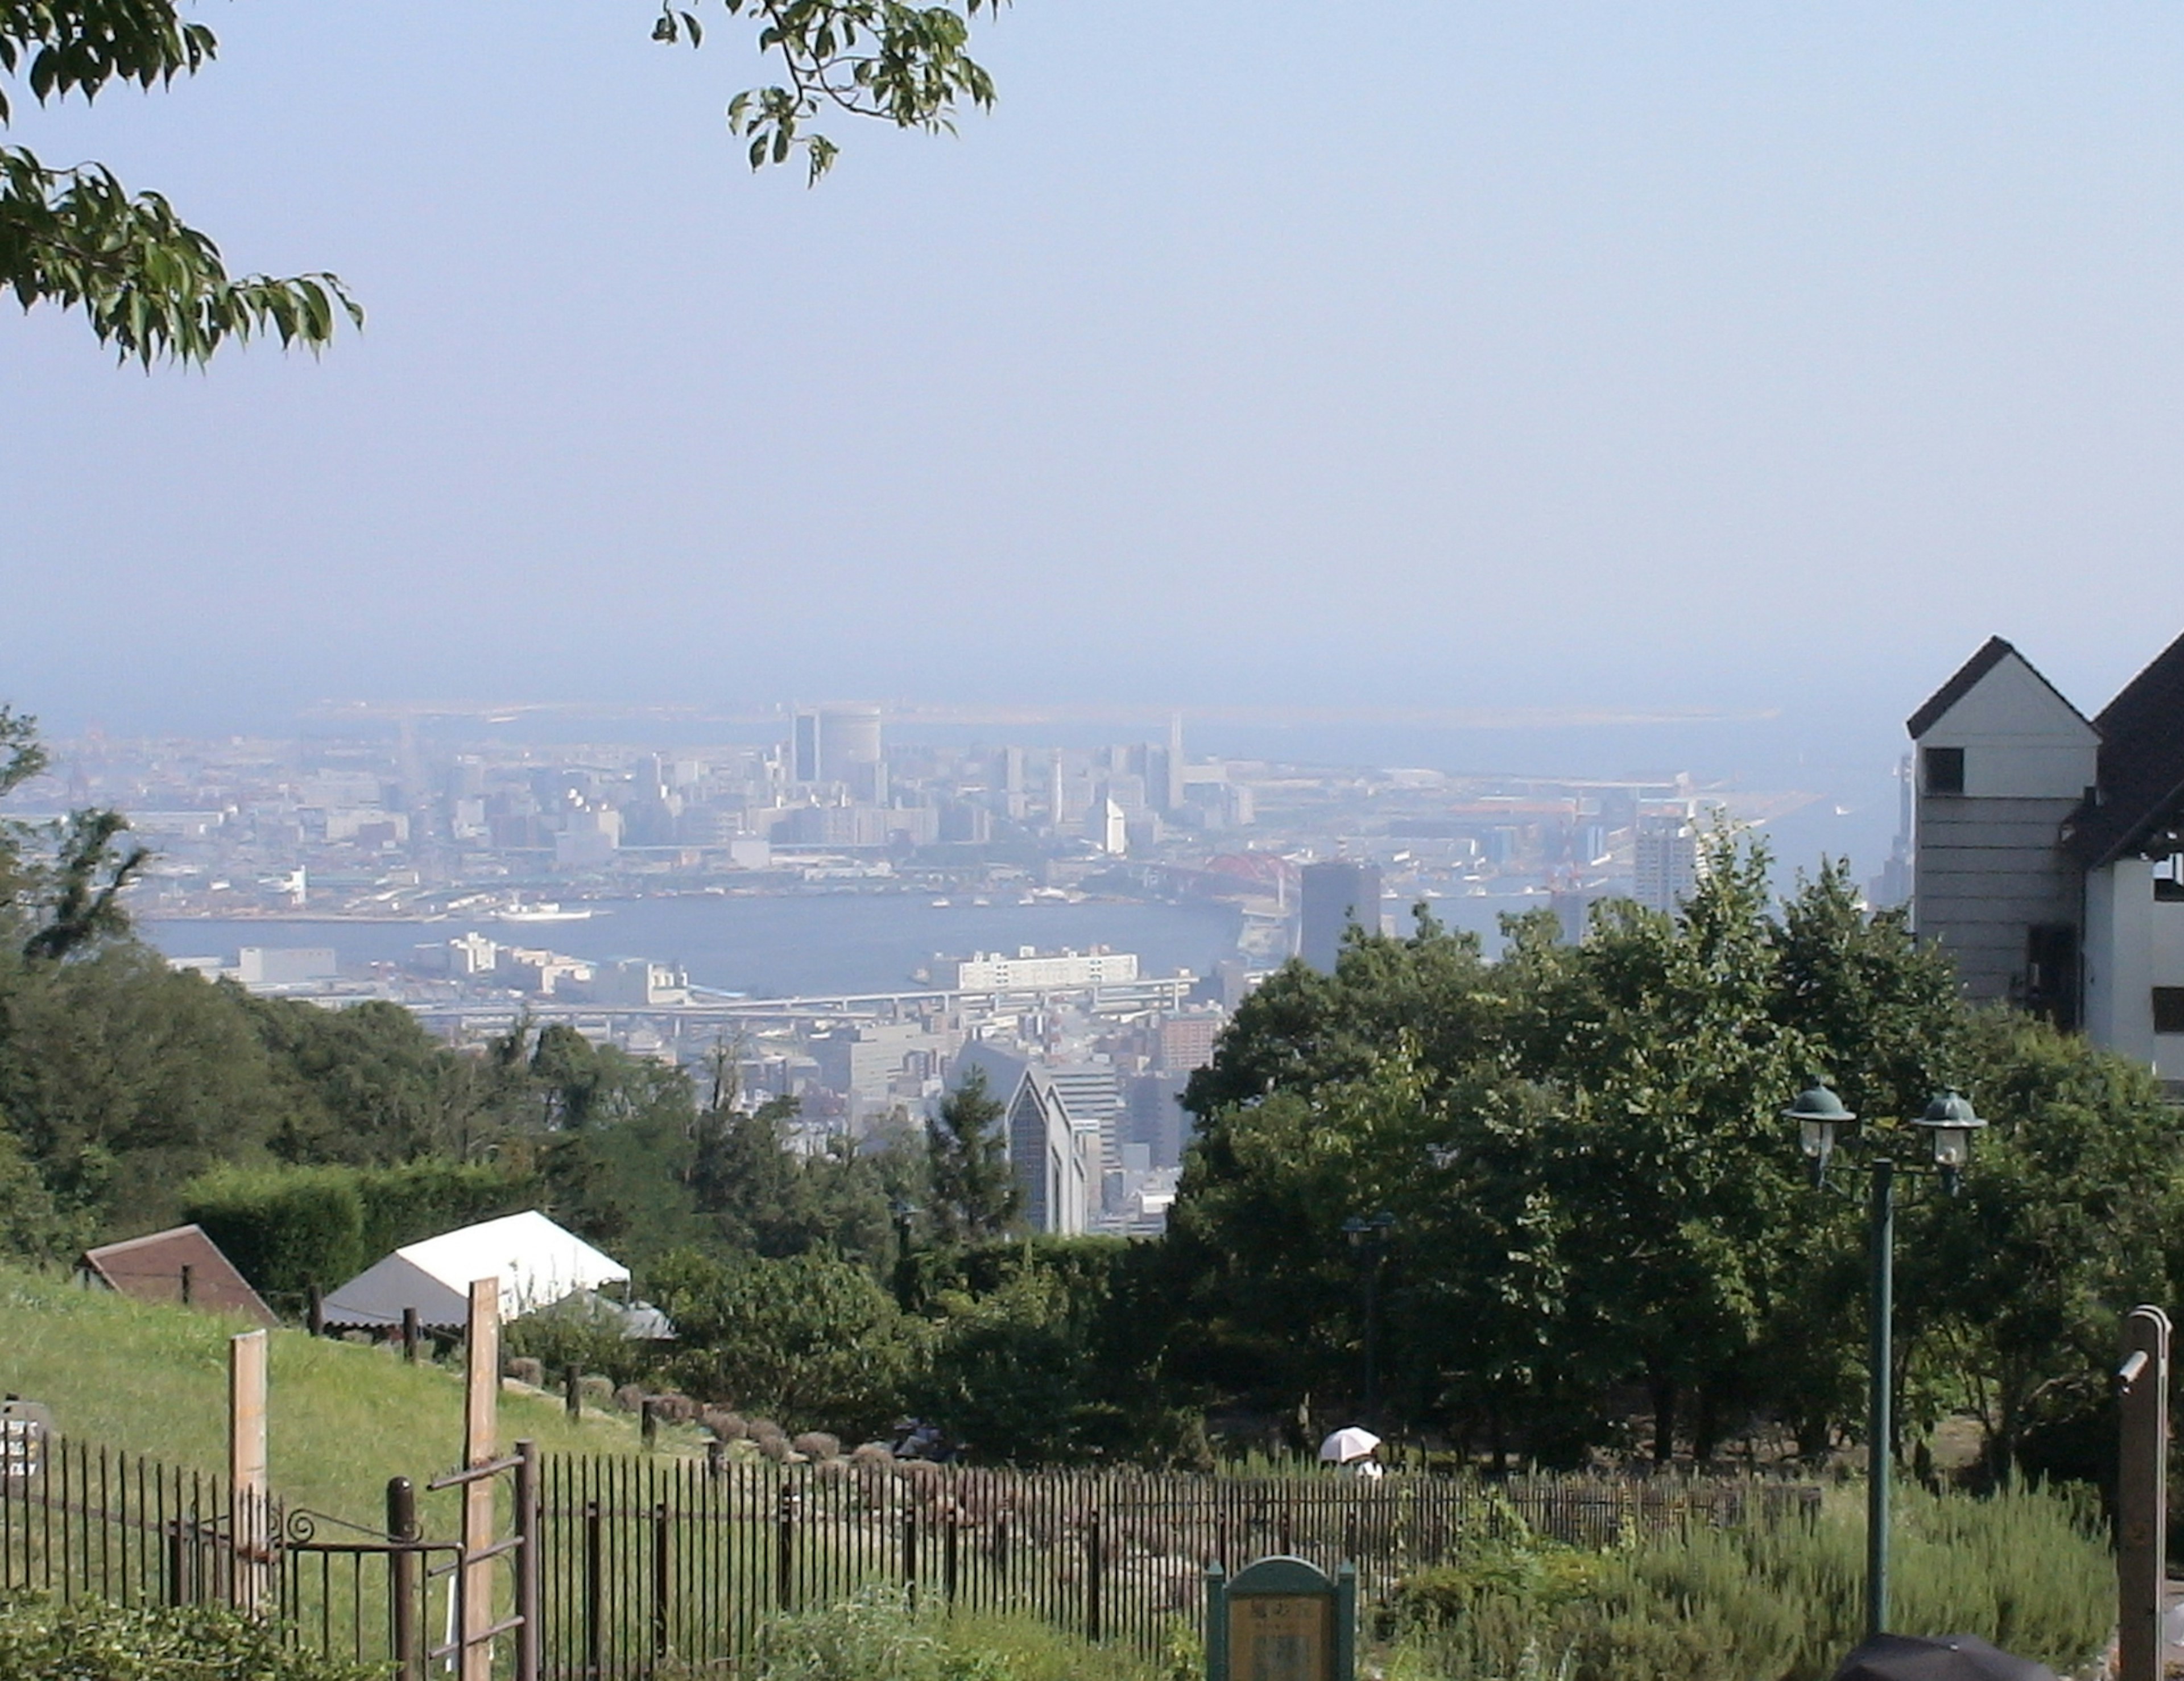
[[1354, 1448]]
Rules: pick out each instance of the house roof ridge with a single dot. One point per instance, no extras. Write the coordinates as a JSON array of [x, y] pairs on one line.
[[1992, 653], [2141, 775]]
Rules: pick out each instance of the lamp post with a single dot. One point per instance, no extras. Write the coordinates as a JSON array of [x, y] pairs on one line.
[[1948, 1123], [1370, 1237]]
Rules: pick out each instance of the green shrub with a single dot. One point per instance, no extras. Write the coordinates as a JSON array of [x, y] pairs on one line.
[[878, 1636], [421, 1200], [874, 1636], [586, 1333], [807, 1339], [1536, 1576], [43, 1639], [286, 1228], [290, 1228], [1780, 1597]]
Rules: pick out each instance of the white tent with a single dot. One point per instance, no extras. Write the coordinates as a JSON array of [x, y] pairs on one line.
[[537, 1262]]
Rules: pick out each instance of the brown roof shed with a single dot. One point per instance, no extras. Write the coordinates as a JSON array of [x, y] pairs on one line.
[[180, 1264]]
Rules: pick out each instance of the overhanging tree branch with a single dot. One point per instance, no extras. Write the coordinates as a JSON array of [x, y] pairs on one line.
[[152, 285], [902, 64], [157, 289]]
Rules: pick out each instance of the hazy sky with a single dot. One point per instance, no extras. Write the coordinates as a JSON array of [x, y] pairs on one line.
[[1389, 352]]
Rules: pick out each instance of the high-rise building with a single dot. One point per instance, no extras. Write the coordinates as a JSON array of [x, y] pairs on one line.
[[1108, 826], [1335, 894], [1051, 1155], [839, 745], [804, 747], [1187, 1041], [1667, 863], [1092, 1094]]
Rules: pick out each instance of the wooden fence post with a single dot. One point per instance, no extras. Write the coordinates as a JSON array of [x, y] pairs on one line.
[[402, 1579], [413, 1333], [2143, 1495], [249, 1526], [481, 1443]]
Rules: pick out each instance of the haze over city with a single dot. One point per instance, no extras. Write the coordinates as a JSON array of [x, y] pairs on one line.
[[1717, 360]]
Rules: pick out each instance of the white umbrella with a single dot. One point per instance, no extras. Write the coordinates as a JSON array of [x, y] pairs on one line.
[[1346, 1444]]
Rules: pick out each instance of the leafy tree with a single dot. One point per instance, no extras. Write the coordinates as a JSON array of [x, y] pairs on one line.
[[122, 1078], [156, 288], [809, 1339], [1668, 1157], [1050, 1350], [613, 1143], [372, 1085], [743, 1176], [150, 285], [60, 884], [902, 64], [975, 1194], [1581, 1147], [1303, 1029], [33, 1226], [761, 1196], [2013, 1291]]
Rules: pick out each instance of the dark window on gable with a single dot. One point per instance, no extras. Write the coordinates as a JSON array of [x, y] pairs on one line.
[[1944, 768], [2169, 1009]]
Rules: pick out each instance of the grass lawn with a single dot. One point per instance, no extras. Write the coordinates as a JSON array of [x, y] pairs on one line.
[[342, 1418]]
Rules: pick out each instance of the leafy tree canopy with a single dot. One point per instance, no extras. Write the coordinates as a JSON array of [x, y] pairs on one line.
[[1597, 1209], [156, 288]]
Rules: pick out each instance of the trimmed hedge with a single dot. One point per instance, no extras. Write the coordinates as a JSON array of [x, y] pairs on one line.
[[44, 1639], [290, 1228]]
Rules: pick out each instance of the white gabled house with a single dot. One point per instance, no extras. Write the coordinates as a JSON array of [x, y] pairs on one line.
[[2049, 848]]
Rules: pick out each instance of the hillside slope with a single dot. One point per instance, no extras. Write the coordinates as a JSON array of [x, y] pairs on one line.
[[343, 1418]]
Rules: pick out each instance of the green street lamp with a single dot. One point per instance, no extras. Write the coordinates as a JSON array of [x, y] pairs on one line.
[[1819, 1115], [1948, 1123]]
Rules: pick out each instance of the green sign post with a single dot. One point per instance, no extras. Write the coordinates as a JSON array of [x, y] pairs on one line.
[[1281, 1619]]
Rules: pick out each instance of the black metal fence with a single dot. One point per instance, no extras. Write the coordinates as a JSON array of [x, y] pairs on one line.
[[76, 1519], [649, 1561], [81, 1520], [643, 1562]]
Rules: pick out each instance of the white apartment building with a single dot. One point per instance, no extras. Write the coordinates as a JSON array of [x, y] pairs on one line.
[[1031, 970], [1667, 861]]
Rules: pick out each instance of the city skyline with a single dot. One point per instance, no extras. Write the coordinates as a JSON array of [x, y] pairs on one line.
[[1694, 360]]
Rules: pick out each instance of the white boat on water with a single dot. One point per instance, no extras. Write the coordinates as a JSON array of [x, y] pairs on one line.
[[546, 910]]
